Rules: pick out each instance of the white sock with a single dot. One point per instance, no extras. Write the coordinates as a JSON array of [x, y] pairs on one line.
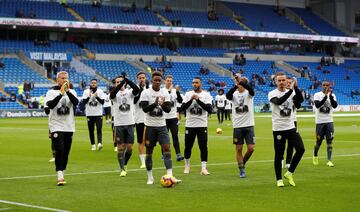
[[169, 172], [60, 174], [142, 158], [150, 175], [187, 162], [203, 164]]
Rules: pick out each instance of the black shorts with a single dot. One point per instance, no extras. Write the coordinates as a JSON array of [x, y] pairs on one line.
[[124, 134], [325, 130], [243, 133], [140, 132], [156, 134], [107, 110]]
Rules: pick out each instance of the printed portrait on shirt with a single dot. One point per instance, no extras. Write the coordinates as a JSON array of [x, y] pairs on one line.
[[172, 101], [124, 106], [241, 108], [157, 112], [93, 102], [325, 108], [286, 108], [63, 109], [196, 110]]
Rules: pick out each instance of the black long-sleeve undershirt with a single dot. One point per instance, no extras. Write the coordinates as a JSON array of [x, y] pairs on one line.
[[298, 98], [179, 99], [166, 106], [52, 103], [116, 90], [146, 107], [248, 87], [318, 103], [102, 101], [230, 93], [334, 104], [137, 97], [132, 85], [279, 101], [186, 105], [85, 101], [72, 98], [206, 107]]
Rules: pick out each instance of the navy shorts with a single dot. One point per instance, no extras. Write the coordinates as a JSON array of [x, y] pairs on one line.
[[325, 130], [156, 134], [124, 134], [244, 133]]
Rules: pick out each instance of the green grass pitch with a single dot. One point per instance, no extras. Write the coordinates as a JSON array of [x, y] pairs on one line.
[[94, 184]]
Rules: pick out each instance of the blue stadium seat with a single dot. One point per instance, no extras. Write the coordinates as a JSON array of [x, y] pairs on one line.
[[200, 20], [253, 15], [127, 49], [42, 9], [113, 14], [316, 23]]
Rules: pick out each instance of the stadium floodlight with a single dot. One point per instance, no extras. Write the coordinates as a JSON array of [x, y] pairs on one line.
[[115, 31], [160, 33], [202, 36], [14, 26], [66, 29]]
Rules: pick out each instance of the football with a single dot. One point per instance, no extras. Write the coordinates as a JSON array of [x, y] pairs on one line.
[[167, 181], [218, 131]]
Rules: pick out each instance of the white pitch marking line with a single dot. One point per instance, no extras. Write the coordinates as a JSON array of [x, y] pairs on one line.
[[4, 209], [31, 206], [157, 168]]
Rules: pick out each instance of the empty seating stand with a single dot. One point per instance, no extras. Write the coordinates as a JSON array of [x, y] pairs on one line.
[[42, 9], [263, 18], [113, 14]]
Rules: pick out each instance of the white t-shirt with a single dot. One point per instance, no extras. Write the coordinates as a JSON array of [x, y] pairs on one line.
[[61, 122], [282, 118], [107, 102], [228, 105], [123, 108], [220, 99], [138, 112], [173, 100], [196, 116], [93, 107], [243, 109], [324, 114], [155, 118]]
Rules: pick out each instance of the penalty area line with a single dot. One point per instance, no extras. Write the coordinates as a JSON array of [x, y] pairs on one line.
[[30, 206], [160, 168]]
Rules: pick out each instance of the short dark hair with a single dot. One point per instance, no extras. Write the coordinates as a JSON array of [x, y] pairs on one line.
[[119, 76], [169, 76], [139, 73], [93, 80], [198, 78], [156, 74]]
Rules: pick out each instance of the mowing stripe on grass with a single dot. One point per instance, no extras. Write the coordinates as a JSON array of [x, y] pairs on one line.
[[31, 206], [313, 115], [157, 168]]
